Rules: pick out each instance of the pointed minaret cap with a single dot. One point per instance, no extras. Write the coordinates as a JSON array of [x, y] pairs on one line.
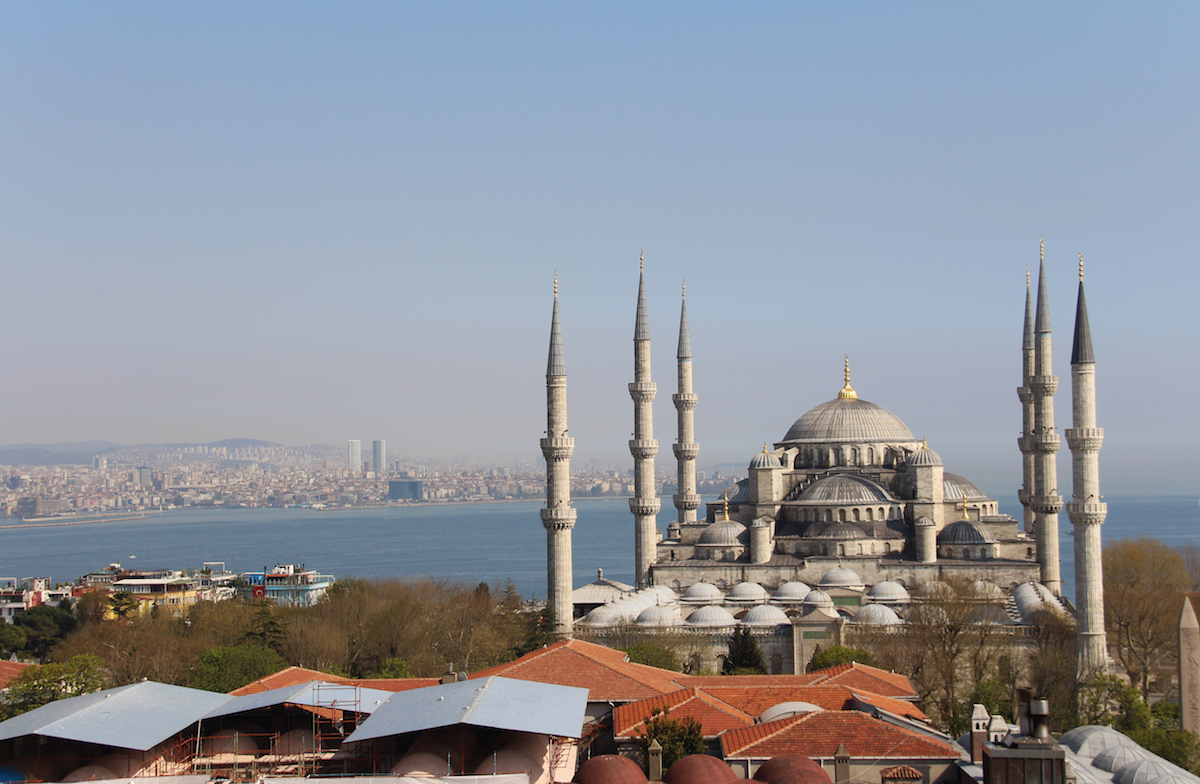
[[1041, 324], [1028, 344], [685, 339], [556, 366], [1187, 617], [641, 330], [1081, 351]]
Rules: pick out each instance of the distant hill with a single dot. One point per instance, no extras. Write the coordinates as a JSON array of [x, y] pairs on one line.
[[81, 453], [45, 457], [242, 443], [93, 447]]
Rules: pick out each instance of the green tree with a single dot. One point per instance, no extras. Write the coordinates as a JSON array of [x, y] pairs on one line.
[[745, 656], [12, 638], [838, 654], [654, 655], [122, 604], [227, 668], [679, 738], [37, 686], [44, 628], [394, 668], [91, 608]]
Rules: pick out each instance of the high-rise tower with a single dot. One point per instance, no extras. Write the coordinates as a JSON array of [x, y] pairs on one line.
[[1046, 502], [558, 517], [685, 447], [643, 447], [354, 456], [379, 458], [1025, 494], [1086, 510]]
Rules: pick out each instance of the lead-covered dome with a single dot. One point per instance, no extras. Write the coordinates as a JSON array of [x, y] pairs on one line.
[[847, 420], [966, 532], [765, 615], [724, 533], [711, 615], [845, 489]]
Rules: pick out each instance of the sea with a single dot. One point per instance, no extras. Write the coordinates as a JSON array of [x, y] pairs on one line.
[[467, 543]]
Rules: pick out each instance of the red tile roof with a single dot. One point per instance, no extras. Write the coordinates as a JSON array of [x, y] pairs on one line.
[[714, 715], [604, 672], [862, 677], [817, 736], [901, 773], [756, 699], [295, 676], [10, 670]]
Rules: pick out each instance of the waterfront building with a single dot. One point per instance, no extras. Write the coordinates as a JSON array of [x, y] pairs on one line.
[[288, 585]]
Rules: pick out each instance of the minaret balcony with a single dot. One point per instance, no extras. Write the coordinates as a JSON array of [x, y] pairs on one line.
[[685, 401], [643, 391], [643, 448], [686, 502], [557, 448], [686, 450], [1046, 504], [1087, 512], [1025, 394], [1085, 439], [1025, 444], [644, 507], [1044, 385], [560, 518], [1046, 442]]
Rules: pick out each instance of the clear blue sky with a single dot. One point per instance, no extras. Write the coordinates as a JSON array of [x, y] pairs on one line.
[[313, 222]]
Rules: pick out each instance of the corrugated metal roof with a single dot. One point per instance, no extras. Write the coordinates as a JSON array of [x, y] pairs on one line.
[[499, 703], [314, 694], [138, 716]]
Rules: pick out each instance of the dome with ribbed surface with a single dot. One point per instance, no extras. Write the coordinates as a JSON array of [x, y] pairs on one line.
[[953, 486], [923, 457], [839, 531], [966, 532], [845, 489], [747, 593], [841, 577], [711, 615], [791, 592], [816, 599], [1116, 757], [658, 616], [724, 533], [765, 615], [765, 459], [888, 592], [876, 615], [702, 593], [847, 420]]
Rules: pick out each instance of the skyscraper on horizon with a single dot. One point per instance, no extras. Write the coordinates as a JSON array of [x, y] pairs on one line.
[[354, 456], [379, 457]]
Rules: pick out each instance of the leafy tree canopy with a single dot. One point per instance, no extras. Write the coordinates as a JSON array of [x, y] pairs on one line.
[[745, 656], [654, 655], [37, 686], [679, 738], [227, 668], [838, 654]]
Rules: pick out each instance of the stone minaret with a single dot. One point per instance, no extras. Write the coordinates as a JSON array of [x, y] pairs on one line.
[[643, 447], [1086, 510], [1046, 501], [1025, 494], [558, 516], [686, 448]]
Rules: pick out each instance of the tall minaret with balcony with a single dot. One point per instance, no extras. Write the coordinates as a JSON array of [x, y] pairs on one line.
[[558, 517], [1086, 510], [1025, 494], [1046, 501], [685, 447], [643, 447]]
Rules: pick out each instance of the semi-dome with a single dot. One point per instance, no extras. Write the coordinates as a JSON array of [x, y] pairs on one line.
[[966, 532], [839, 531], [791, 592], [747, 593], [889, 592], [765, 615], [841, 577], [658, 616], [847, 420], [817, 598], [724, 533], [923, 457], [876, 615], [953, 486], [845, 489], [701, 593], [711, 615]]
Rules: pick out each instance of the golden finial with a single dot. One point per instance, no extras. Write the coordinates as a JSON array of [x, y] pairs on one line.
[[1081, 268], [725, 499], [847, 392], [965, 517], [556, 284], [685, 289], [642, 261], [924, 443], [764, 447], [1042, 250], [1027, 277]]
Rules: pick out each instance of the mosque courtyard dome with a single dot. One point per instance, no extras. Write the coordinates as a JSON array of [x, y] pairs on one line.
[[702, 593], [765, 615], [876, 615], [841, 577], [791, 592], [889, 592], [747, 593], [848, 420]]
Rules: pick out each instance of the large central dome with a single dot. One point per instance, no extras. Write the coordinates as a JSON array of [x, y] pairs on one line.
[[847, 420]]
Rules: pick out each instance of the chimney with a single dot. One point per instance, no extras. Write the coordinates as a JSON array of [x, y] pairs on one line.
[[841, 764], [979, 732], [655, 763], [448, 676], [1039, 717]]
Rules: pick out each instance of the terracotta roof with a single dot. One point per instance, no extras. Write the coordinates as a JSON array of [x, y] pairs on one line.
[[604, 672], [295, 676], [863, 677], [756, 699], [817, 735], [714, 715], [901, 773], [706, 681], [10, 670]]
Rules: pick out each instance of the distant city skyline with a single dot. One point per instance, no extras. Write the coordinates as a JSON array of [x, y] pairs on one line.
[[349, 227]]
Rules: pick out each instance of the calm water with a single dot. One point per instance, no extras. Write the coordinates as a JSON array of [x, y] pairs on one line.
[[467, 542]]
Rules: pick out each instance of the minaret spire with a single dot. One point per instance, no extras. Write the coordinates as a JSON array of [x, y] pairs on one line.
[[643, 447], [558, 517], [1025, 393], [1045, 501], [686, 449], [1086, 510]]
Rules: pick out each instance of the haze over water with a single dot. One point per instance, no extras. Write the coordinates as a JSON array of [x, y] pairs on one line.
[[486, 542]]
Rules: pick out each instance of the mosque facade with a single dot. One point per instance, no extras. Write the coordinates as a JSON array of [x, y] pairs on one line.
[[849, 515]]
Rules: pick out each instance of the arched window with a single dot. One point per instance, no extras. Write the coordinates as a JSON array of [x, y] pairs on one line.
[[870, 455], [856, 515], [870, 514], [841, 515], [854, 456], [882, 516], [829, 515], [841, 549]]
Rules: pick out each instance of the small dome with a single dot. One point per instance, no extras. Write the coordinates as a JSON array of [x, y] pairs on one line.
[[724, 533], [841, 577], [760, 522], [791, 593], [924, 522], [966, 532], [876, 615], [711, 615], [664, 593], [609, 769], [954, 486], [702, 593], [845, 489], [1072, 738], [1102, 738], [1031, 598], [1152, 771], [889, 592], [765, 459], [658, 616], [935, 589], [795, 769], [987, 590], [988, 615], [923, 457], [700, 769], [1116, 757], [765, 615], [817, 598], [604, 615], [787, 709], [839, 531], [747, 593]]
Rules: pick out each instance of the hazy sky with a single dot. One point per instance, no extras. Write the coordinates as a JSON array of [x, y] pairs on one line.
[[313, 222]]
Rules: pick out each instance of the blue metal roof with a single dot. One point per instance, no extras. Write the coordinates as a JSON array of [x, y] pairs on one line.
[[314, 694], [495, 702]]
